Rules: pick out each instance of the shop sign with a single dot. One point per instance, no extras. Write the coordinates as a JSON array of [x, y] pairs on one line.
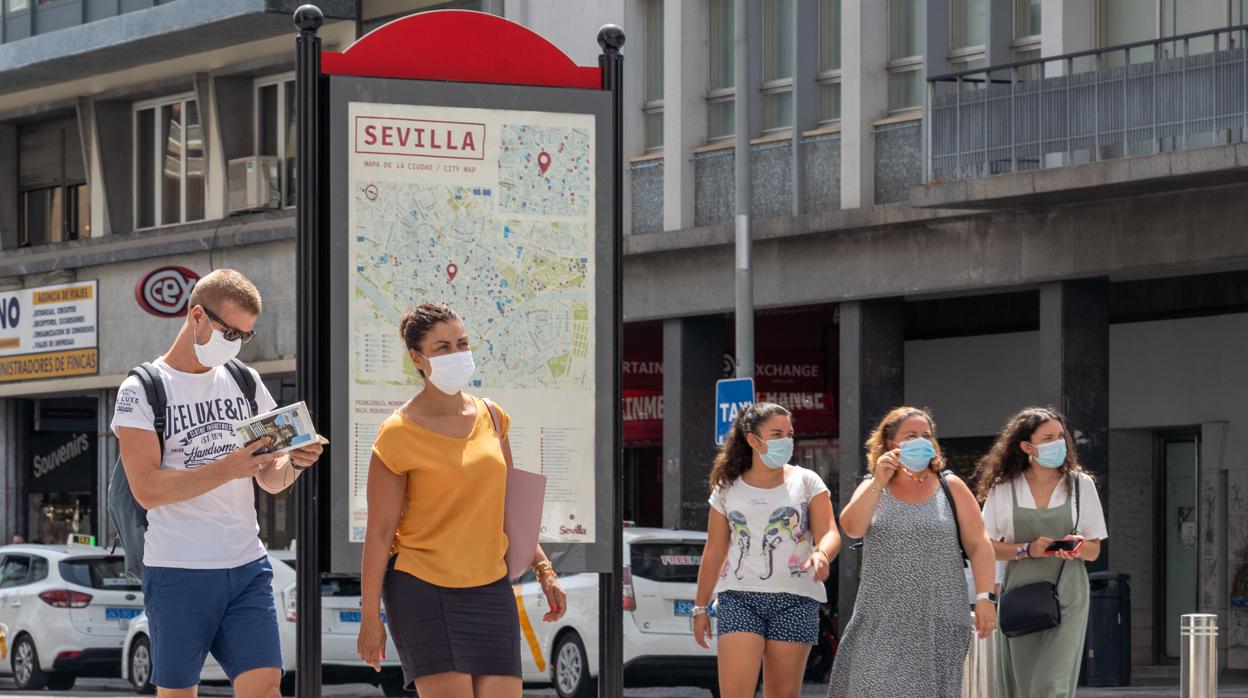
[[49, 332], [61, 462], [165, 292]]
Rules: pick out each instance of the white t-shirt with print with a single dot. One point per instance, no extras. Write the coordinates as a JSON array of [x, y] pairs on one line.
[[217, 529], [770, 535], [999, 508]]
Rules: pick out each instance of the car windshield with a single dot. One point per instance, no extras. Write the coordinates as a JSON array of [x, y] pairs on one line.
[[667, 562], [99, 573]]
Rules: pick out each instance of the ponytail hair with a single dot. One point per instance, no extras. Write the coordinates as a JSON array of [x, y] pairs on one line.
[[736, 456]]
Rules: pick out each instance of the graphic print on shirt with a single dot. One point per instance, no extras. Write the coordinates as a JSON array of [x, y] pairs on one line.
[[784, 523], [741, 534], [202, 431]]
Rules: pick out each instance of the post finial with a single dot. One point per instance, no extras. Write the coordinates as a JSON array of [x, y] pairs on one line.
[[309, 18], [611, 38]]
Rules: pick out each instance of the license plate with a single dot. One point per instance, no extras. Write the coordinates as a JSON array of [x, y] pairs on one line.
[[354, 617], [121, 613], [684, 607]]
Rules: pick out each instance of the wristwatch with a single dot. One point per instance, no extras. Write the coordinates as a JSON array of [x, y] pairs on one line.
[[699, 611], [987, 596]]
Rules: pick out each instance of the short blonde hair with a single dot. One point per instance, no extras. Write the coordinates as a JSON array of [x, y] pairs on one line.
[[877, 443], [226, 286]]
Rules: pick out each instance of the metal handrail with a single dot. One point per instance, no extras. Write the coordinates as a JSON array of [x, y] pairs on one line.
[[1001, 67]]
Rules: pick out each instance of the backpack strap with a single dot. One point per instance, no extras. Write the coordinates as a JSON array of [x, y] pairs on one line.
[[957, 527], [498, 430], [246, 382], [154, 388]]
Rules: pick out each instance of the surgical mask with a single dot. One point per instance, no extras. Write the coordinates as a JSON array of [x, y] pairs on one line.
[[1051, 454], [917, 453], [451, 372], [217, 351], [779, 453]]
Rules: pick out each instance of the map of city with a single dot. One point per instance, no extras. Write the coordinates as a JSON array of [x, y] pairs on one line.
[[545, 170], [523, 287]]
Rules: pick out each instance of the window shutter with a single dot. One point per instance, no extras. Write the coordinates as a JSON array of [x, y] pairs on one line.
[[50, 155]]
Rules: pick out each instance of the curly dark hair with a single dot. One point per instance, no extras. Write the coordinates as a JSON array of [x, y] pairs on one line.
[[416, 323], [736, 456], [1006, 460]]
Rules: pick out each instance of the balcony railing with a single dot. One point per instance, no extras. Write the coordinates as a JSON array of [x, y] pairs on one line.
[[1143, 98]]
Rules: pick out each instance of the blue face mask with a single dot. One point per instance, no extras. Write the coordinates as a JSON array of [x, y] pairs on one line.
[[917, 453], [779, 453], [1051, 454]]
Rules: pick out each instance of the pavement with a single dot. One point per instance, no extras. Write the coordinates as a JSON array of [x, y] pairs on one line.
[[1232, 685]]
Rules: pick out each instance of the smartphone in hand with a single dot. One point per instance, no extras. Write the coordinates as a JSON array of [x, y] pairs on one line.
[[1063, 546]]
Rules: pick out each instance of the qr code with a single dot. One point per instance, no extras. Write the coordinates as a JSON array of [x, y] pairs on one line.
[[357, 534]]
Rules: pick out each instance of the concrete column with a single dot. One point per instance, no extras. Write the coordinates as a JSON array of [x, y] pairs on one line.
[[872, 382], [106, 455], [864, 95], [1074, 370], [805, 90], [114, 126], [686, 60], [216, 189], [1000, 33], [8, 186], [693, 357], [8, 454], [91, 163], [1067, 26], [937, 39]]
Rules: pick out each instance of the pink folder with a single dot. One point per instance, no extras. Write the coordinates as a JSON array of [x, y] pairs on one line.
[[522, 510]]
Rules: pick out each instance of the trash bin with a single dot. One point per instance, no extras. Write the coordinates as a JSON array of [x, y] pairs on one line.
[[1107, 650]]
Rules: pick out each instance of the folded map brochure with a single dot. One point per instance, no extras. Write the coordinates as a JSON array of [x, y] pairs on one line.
[[288, 427]]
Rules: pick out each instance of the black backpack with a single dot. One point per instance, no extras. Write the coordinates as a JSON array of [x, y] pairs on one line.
[[129, 520]]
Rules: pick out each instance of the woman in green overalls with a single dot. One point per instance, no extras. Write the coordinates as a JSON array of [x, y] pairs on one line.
[[1031, 483]]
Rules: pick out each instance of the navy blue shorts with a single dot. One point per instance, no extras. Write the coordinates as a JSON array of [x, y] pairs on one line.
[[775, 616], [230, 613]]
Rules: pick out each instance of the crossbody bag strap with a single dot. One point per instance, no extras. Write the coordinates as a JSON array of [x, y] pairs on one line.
[[498, 431], [1072, 485], [957, 527]]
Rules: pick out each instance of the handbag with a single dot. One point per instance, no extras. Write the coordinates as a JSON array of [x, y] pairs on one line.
[[1034, 607], [522, 508]]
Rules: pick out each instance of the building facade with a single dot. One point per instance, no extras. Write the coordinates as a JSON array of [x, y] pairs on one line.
[[969, 205]]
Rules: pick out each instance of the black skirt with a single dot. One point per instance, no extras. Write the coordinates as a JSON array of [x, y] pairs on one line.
[[436, 629]]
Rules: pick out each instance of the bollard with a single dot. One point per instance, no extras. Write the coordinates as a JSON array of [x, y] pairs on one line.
[[979, 673], [1198, 663]]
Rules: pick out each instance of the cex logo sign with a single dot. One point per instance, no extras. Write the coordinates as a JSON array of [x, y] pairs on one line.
[[164, 292]]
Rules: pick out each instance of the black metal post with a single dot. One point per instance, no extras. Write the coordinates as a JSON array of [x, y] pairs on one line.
[[610, 589], [309, 348]]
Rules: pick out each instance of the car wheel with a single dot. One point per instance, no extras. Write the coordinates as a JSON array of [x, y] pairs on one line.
[[141, 666], [26, 672], [393, 687], [570, 672], [288, 686], [61, 681]]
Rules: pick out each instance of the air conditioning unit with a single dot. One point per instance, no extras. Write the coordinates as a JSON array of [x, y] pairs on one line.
[[255, 183]]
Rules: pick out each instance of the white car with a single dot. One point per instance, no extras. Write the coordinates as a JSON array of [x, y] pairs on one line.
[[64, 612], [340, 626], [660, 576]]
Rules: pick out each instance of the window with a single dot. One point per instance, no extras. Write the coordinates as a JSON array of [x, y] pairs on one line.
[[169, 163], [1026, 45], [721, 117], [17, 5], [53, 201], [275, 129], [829, 60], [777, 64], [905, 54], [15, 571], [968, 24], [652, 110]]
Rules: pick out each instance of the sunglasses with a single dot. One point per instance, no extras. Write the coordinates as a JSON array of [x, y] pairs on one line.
[[231, 333]]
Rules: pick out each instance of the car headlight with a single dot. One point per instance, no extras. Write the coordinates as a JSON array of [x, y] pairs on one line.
[[289, 597]]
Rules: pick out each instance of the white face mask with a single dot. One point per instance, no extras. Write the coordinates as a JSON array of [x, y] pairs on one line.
[[218, 350], [451, 372]]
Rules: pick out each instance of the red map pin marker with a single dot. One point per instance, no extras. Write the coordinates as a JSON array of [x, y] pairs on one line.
[[451, 270], [543, 161]]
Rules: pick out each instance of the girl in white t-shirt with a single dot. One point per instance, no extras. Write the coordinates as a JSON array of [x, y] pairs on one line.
[[771, 536], [1035, 494]]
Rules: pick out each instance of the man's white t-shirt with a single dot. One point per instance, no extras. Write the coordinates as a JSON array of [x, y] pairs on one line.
[[217, 529], [770, 535]]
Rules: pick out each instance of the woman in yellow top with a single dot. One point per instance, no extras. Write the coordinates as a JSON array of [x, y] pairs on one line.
[[435, 547]]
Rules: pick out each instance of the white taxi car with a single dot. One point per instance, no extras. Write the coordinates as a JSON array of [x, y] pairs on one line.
[[340, 618], [64, 613], [660, 576]]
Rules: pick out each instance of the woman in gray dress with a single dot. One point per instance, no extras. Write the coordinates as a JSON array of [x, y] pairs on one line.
[[911, 627], [1036, 493]]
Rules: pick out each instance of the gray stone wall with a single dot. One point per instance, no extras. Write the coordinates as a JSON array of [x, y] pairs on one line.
[[1131, 523], [771, 179], [714, 192], [898, 161], [647, 196], [821, 173]]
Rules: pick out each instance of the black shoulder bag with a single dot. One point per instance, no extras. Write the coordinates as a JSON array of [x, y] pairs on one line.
[[1034, 607]]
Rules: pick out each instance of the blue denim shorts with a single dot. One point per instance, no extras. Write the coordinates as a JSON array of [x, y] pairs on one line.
[[774, 616], [229, 612]]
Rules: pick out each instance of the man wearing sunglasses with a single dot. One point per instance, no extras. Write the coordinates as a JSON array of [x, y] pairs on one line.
[[207, 584]]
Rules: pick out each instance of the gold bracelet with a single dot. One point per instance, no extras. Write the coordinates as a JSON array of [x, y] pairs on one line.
[[543, 568]]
